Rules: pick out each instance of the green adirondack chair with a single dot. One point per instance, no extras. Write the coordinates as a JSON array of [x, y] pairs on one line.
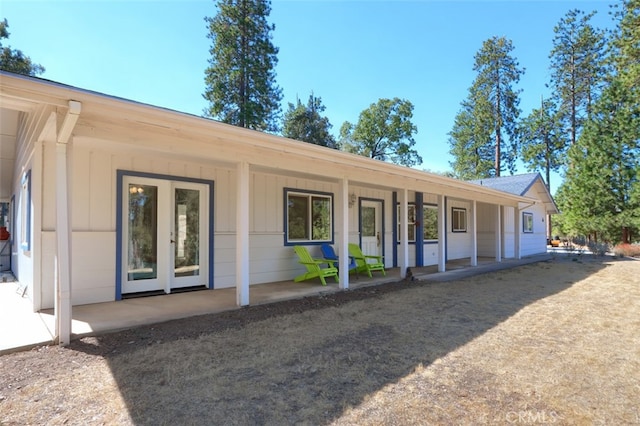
[[365, 263], [314, 269]]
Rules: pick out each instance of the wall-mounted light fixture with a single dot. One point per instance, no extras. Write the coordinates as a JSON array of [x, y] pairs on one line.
[[136, 189], [352, 199]]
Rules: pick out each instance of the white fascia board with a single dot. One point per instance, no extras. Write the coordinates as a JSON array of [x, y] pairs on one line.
[[162, 120]]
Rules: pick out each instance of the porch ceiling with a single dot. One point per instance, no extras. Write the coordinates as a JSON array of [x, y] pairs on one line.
[[8, 134]]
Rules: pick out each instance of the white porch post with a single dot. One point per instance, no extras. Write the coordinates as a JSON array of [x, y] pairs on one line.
[[63, 305], [442, 234], [403, 261], [516, 232], [63, 309], [242, 234], [474, 234], [498, 233], [343, 235]]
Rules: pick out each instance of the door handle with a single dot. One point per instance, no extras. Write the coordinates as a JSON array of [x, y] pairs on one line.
[[378, 238], [172, 241]]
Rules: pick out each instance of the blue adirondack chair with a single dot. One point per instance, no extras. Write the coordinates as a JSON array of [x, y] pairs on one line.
[[329, 253]]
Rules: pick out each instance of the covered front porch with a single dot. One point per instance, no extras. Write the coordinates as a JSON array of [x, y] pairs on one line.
[[36, 329]]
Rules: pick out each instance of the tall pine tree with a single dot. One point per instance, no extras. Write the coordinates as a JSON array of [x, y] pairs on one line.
[[542, 140], [492, 104], [304, 123], [578, 68], [601, 193], [241, 80], [601, 187], [626, 44], [471, 140]]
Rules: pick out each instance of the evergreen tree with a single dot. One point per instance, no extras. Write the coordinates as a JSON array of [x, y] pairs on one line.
[[542, 140], [492, 103], [13, 60], [578, 68], [600, 192], [240, 81], [384, 131], [626, 43], [472, 142], [304, 123]]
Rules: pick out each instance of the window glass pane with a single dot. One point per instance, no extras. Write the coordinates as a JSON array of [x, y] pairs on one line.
[[412, 214], [298, 217], [368, 221], [412, 233], [430, 220], [411, 221], [187, 232], [459, 220], [143, 236], [527, 222], [321, 219]]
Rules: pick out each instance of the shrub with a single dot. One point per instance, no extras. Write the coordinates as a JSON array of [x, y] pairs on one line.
[[630, 250], [599, 249]]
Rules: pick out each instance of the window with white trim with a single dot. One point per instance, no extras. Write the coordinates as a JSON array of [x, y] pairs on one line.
[[411, 222], [430, 223], [308, 217], [458, 219], [527, 222]]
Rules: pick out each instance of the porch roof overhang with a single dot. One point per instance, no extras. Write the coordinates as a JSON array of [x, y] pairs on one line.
[[210, 140]]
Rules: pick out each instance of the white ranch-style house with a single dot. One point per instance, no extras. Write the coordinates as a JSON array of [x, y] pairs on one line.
[[109, 198]]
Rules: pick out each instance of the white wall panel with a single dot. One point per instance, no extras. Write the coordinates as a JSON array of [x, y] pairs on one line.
[[430, 254], [536, 242], [458, 243], [48, 257], [80, 188], [48, 186], [225, 201], [101, 192], [93, 267], [508, 239], [486, 221]]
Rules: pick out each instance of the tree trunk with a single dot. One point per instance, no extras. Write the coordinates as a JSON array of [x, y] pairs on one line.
[[625, 235]]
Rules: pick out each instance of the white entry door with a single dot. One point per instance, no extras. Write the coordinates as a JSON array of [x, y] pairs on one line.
[[371, 227], [164, 236]]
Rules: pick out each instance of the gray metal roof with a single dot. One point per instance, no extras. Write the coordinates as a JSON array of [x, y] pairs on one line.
[[516, 184]]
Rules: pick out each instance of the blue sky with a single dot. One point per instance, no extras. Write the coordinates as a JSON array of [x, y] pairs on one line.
[[349, 53]]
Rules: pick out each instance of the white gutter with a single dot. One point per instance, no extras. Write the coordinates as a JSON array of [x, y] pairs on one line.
[[183, 124], [62, 307]]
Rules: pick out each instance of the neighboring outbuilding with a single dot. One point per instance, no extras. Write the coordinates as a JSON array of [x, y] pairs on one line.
[[110, 198]]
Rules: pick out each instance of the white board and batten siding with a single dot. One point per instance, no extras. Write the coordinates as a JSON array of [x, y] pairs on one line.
[[93, 195], [94, 216], [486, 220], [458, 243], [508, 232], [534, 242]]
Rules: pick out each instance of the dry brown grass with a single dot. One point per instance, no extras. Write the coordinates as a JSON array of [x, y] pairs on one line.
[[554, 342]]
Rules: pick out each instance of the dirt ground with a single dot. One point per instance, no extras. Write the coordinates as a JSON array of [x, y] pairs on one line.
[[556, 342]]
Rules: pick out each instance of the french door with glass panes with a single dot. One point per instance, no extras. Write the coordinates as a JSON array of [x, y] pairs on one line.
[[164, 234]]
